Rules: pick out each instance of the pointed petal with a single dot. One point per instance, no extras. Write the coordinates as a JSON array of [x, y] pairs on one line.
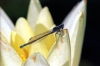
[[68, 21], [36, 60], [5, 29], [16, 42], [44, 23], [33, 12], [23, 29], [6, 18], [9, 57], [60, 53], [77, 40], [75, 22], [44, 20]]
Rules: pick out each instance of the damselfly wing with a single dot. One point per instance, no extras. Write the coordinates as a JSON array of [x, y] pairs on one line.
[[38, 37]]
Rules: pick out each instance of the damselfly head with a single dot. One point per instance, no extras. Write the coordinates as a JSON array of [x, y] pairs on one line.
[[58, 28]]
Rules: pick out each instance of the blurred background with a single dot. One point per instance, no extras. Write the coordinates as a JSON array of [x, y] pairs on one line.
[[59, 10]]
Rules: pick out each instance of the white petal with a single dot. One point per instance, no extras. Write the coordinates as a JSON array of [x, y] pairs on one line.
[[9, 57], [33, 12], [44, 21], [5, 29], [43, 24], [75, 23], [6, 18], [60, 53], [36, 60]]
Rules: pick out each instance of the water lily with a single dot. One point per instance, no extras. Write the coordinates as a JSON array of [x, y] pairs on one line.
[[62, 50]]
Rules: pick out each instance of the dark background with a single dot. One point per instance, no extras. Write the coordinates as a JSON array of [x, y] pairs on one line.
[[59, 9]]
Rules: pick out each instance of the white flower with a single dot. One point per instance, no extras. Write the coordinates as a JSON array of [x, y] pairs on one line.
[[62, 51]]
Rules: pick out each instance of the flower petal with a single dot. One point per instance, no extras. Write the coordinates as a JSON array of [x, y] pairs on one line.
[[16, 42], [5, 29], [3, 38], [38, 47], [75, 23], [6, 18], [9, 57], [60, 53], [33, 12], [23, 29], [44, 23], [36, 60]]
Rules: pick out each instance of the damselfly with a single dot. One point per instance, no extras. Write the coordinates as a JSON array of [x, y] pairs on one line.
[[37, 37]]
